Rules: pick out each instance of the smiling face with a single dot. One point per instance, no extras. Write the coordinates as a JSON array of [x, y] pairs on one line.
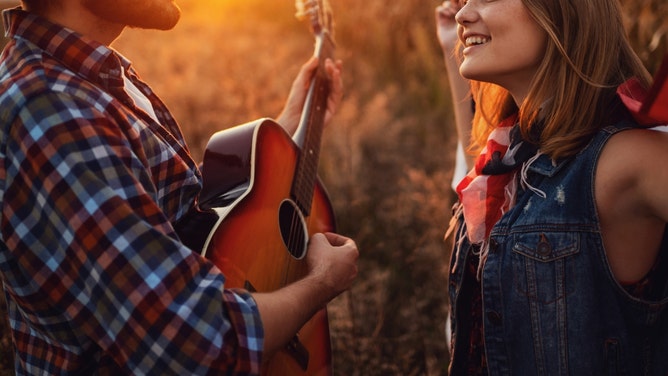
[[503, 44]]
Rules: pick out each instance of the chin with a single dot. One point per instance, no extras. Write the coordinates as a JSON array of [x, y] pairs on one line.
[[150, 15], [166, 19], [469, 74], [166, 24], [157, 23], [476, 73]]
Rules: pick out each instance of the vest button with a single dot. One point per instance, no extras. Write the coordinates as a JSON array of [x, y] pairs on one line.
[[494, 317], [543, 248]]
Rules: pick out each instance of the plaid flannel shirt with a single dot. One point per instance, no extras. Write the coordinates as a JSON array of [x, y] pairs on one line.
[[96, 279]]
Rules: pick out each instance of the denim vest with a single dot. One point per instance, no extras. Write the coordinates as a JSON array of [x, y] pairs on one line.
[[551, 305]]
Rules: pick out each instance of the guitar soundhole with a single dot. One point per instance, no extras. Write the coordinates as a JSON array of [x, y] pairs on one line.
[[293, 229]]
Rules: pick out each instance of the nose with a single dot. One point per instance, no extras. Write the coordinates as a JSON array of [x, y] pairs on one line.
[[466, 13]]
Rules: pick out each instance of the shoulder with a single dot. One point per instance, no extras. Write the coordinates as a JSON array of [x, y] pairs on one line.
[[633, 164], [633, 151], [636, 145], [43, 93], [27, 71]]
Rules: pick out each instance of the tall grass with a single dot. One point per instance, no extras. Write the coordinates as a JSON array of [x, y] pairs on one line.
[[387, 157]]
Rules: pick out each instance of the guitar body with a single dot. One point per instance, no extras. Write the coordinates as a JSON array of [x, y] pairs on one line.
[[259, 242], [261, 201]]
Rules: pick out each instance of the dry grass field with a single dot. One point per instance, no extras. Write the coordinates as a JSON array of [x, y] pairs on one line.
[[386, 159]]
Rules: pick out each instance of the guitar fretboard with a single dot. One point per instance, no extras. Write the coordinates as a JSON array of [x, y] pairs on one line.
[[309, 132]]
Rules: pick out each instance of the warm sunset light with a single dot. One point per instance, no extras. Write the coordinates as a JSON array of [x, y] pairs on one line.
[[387, 157], [236, 10]]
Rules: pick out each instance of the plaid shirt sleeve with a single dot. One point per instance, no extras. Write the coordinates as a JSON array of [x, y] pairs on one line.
[[95, 276]]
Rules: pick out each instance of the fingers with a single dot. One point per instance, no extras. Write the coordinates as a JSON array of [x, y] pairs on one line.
[[334, 69], [446, 25], [292, 111], [447, 11], [332, 260], [333, 239], [306, 72], [289, 117], [337, 240]]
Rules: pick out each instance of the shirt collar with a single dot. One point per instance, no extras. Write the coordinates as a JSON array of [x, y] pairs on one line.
[[90, 59]]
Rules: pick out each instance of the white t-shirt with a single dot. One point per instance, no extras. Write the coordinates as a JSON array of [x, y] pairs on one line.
[[460, 166], [138, 97]]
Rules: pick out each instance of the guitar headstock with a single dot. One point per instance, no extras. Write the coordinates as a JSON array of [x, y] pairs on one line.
[[318, 13]]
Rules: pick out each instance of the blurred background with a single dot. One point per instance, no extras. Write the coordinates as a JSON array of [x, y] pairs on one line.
[[387, 158]]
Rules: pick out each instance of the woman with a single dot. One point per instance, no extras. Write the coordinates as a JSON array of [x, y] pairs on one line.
[[560, 263]]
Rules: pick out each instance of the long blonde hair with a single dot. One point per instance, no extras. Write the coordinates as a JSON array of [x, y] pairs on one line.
[[587, 56]]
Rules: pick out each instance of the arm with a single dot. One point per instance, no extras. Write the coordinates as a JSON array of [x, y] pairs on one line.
[[446, 30], [651, 178], [630, 189]]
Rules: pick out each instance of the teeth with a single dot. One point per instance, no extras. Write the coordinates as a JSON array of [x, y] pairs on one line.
[[472, 41]]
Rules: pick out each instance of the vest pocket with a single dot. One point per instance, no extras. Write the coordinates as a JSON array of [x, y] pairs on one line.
[[543, 265]]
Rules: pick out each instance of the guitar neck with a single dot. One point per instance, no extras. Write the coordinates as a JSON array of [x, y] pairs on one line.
[[309, 132]]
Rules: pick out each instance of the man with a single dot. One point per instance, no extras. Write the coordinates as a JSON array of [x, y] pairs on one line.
[[93, 173]]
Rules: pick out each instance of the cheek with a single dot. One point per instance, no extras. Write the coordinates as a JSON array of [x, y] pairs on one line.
[[534, 38], [529, 45]]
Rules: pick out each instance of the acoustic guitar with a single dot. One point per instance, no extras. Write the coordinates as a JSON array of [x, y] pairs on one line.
[[262, 200]]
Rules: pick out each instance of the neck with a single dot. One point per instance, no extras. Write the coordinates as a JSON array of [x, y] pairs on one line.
[[73, 16]]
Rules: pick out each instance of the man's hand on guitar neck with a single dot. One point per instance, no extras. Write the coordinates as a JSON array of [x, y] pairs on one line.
[[332, 263], [292, 112]]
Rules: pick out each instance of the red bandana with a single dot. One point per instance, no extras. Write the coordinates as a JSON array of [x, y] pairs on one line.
[[485, 197]]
